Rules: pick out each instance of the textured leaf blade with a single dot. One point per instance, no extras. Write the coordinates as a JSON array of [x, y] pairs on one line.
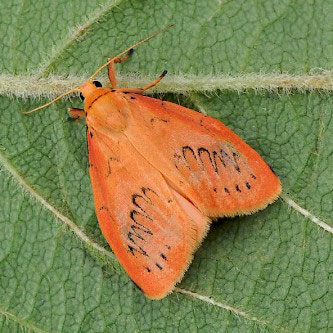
[[272, 269]]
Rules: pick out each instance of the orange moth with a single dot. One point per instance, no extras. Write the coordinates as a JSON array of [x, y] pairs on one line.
[[159, 173]]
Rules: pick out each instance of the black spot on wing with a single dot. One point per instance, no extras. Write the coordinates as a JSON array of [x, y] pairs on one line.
[[159, 266]]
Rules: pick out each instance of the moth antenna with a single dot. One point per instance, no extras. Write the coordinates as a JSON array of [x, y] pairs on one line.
[[51, 102], [131, 48]]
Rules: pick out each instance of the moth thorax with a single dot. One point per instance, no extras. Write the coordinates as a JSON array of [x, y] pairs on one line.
[[106, 116]]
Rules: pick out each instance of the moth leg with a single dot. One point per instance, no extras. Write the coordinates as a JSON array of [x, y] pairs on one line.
[[76, 114], [154, 83], [142, 90], [111, 68]]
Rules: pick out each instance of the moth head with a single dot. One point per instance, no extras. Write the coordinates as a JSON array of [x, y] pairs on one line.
[[103, 107], [89, 87], [90, 92]]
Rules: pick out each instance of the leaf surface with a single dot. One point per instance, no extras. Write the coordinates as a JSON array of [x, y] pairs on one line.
[[270, 271]]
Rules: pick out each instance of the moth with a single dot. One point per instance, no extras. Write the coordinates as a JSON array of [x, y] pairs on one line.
[[160, 173]]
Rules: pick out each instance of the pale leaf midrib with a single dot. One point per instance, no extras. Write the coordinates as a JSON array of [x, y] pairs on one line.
[[25, 86]]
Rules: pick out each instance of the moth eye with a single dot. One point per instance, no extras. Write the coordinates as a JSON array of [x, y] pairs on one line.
[[82, 97], [97, 84]]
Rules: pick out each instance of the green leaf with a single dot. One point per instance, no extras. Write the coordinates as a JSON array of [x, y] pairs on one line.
[[270, 271]]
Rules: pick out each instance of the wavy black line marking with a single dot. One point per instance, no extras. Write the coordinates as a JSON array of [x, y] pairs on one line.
[[139, 231], [139, 249], [223, 155], [232, 160], [190, 149], [133, 214], [216, 155], [202, 150]]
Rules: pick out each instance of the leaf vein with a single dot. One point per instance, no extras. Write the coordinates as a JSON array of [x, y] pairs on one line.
[[307, 214], [22, 323], [227, 307], [64, 219], [74, 35]]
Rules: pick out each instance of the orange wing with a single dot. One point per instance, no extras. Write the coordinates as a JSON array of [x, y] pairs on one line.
[[201, 158], [152, 230]]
